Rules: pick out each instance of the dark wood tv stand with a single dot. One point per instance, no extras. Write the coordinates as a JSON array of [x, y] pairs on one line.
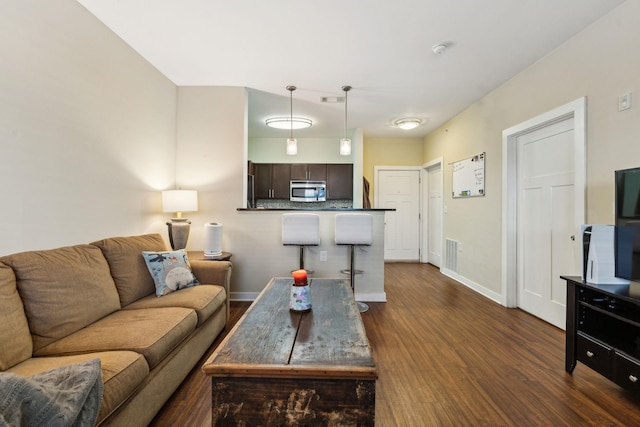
[[603, 330]]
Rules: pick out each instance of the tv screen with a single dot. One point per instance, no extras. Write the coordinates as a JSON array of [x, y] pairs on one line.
[[627, 235]]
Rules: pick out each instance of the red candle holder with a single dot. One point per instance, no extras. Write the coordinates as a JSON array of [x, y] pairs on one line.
[[300, 300]]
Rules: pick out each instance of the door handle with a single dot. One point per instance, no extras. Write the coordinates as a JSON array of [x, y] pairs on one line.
[[573, 237]]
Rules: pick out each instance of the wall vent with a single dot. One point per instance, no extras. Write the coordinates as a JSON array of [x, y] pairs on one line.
[[332, 99], [451, 255]]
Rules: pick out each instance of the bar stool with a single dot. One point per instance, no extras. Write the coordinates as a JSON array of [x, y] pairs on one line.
[[354, 229], [301, 229]]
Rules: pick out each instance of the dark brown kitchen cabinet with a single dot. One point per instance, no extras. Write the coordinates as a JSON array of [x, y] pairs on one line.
[[339, 181], [272, 180], [309, 171]]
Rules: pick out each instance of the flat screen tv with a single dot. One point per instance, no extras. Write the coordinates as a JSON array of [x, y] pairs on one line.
[[627, 235]]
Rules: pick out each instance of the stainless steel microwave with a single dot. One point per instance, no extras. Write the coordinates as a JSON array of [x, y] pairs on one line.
[[308, 191]]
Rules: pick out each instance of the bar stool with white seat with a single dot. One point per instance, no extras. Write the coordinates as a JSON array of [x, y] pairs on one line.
[[354, 229], [301, 229]]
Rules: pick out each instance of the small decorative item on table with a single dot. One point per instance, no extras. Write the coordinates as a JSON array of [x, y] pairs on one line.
[[300, 300]]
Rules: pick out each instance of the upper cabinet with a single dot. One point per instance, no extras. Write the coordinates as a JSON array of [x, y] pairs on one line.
[[309, 171], [339, 181], [272, 179]]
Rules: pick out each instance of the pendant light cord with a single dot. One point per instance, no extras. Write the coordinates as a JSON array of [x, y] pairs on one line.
[[346, 90], [291, 89]]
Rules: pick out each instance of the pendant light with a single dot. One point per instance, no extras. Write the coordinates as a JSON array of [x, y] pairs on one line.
[[292, 144], [345, 143]]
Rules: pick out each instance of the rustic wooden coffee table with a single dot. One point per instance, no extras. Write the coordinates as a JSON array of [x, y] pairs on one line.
[[279, 368]]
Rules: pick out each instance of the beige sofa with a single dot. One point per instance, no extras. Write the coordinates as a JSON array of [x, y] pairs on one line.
[[72, 304]]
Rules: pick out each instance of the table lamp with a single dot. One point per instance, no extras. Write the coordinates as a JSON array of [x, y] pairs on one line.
[[179, 201]]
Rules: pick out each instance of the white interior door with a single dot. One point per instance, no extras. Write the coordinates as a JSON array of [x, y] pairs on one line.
[[434, 215], [399, 189], [545, 217]]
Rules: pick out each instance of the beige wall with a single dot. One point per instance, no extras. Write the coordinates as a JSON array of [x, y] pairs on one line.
[[390, 152], [87, 130], [601, 63]]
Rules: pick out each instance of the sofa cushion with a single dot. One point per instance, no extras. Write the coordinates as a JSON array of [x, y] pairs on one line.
[[122, 373], [128, 268], [170, 270], [204, 299], [14, 330], [63, 290], [152, 332]]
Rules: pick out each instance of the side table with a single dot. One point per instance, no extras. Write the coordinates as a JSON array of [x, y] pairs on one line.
[[225, 256]]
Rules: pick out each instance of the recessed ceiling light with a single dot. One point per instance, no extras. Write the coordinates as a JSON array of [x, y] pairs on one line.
[[288, 122], [408, 123]]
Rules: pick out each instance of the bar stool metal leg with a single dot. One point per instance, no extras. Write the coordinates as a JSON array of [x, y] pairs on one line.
[[362, 307], [302, 261]]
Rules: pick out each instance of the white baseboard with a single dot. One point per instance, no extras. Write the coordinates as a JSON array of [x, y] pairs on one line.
[[243, 296], [375, 297], [494, 296]]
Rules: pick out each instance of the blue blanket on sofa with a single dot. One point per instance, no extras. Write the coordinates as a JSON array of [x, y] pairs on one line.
[[66, 396]]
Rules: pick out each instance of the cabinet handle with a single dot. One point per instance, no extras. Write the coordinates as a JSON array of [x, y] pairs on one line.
[[633, 378], [589, 353]]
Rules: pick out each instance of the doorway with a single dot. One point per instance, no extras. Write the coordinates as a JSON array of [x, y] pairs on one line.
[[432, 185], [533, 186], [399, 188]]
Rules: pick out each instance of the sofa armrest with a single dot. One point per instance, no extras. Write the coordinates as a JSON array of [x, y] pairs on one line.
[[210, 272]]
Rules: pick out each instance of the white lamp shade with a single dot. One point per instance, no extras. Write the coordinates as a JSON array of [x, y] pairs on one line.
[[180, 201], [345, 147], [292, 147]]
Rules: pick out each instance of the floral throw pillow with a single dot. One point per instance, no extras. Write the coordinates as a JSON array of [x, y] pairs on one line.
[[170, 271]]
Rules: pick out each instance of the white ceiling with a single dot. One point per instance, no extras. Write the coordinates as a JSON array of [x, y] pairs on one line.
[[382, 48]]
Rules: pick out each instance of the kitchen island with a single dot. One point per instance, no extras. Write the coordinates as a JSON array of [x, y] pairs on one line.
[[258, 252]]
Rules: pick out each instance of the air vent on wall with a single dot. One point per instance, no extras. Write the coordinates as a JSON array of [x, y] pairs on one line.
[[451, 255]]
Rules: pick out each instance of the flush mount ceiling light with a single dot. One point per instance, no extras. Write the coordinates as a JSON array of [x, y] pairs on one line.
[[288, 122], [408, 123]]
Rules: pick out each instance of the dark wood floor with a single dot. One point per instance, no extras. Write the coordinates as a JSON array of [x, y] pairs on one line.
[[448, 356]]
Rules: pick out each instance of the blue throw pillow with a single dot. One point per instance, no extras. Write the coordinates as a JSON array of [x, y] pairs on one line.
[[170, 271]]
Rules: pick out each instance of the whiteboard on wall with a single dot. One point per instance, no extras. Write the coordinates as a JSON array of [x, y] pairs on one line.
[[468, 177]]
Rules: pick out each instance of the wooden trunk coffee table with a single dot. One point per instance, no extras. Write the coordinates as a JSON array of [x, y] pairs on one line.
[[280, 368]]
